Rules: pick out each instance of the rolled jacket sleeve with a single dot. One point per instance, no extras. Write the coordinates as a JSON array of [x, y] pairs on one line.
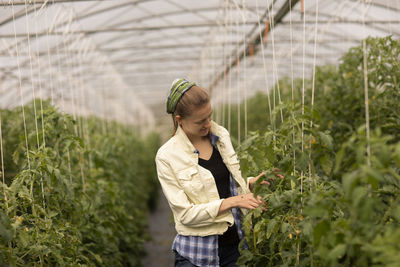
[[186, 212]]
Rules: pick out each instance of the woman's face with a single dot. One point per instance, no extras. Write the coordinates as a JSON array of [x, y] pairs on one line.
[[198, 123]]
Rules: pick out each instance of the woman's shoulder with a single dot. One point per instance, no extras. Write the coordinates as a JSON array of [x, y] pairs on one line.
[[166, 148], [218, 129]]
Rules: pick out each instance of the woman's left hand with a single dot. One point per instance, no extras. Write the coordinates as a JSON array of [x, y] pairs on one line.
[[255, 179]]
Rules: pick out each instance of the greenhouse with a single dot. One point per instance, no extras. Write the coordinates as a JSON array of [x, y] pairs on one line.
[[292, 109]]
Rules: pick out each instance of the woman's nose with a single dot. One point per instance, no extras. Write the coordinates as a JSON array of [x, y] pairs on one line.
[[208, 123]]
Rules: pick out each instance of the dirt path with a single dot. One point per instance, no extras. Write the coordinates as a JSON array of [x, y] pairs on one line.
[[162, 231]]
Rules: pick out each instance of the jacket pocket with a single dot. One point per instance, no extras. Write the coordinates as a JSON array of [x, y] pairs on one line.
[[187, 174], [191, 184]]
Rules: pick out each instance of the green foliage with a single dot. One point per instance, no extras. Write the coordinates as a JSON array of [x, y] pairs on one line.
[[78, 196], [338, 204], [342, 100]]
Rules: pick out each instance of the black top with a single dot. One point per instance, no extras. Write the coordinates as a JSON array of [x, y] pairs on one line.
[[221, 175]]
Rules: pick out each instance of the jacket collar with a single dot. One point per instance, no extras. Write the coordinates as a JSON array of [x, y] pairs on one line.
[[188, 146]]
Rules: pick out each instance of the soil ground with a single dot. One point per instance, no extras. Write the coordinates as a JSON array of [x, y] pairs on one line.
[[162, 231]]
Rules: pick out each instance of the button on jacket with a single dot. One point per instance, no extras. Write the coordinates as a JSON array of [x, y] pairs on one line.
[[191, 190]]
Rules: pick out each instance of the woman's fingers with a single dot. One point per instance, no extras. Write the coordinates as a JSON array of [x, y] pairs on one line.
[[255, 201], [248, 201], [262, 173], [258, 176], [277, 173]]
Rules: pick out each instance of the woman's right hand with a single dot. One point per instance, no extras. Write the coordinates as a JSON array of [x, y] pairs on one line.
[[247, 201]]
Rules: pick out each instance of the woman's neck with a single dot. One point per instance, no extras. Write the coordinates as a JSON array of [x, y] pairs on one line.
[[198, 139]]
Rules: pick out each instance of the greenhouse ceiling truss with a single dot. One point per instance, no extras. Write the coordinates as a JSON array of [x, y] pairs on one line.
[[132, 50]]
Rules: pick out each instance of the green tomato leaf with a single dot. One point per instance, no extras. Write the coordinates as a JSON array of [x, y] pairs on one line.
[[271, 227], [326, 140], [326, 164], [320, 230], [338, 252]]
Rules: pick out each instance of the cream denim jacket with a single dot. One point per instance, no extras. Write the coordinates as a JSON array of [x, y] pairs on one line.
[[191, 190]]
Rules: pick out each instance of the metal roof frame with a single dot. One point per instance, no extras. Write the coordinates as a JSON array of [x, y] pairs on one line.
[[158, 43]]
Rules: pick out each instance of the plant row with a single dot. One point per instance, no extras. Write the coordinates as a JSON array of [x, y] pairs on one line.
[[339, 201], [76, 191]]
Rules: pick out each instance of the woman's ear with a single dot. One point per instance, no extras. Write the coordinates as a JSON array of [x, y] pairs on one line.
[[178, 118]]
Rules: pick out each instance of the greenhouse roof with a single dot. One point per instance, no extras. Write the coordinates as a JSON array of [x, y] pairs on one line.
[[118, 58]]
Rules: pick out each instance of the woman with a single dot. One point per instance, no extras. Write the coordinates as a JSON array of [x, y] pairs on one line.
[[200, 176]]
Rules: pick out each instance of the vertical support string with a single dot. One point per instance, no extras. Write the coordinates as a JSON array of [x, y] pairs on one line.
[[73, 83], [313, 86], [50, 65], [274, 65], [20, 87], [245, 69], [302, 113], [302, 97], [78, 84], [103, 100], [224, 62], [33, 89], [78, 66], [31, 72], [68, 63], [85, 124], [366, 98], [61, 87], [3, 176], [2, 165], [292, 86], [265, 68], [40, 79], [269, 21], [238, 83], [230, 31]]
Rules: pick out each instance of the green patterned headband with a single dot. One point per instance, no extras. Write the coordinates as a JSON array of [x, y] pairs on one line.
[[179, 87]]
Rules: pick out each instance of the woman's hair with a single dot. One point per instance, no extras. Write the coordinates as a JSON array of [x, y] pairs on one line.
[[195, 97]]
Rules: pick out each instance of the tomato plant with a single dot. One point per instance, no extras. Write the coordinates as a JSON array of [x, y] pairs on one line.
[[338, 202], [75, 196]]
